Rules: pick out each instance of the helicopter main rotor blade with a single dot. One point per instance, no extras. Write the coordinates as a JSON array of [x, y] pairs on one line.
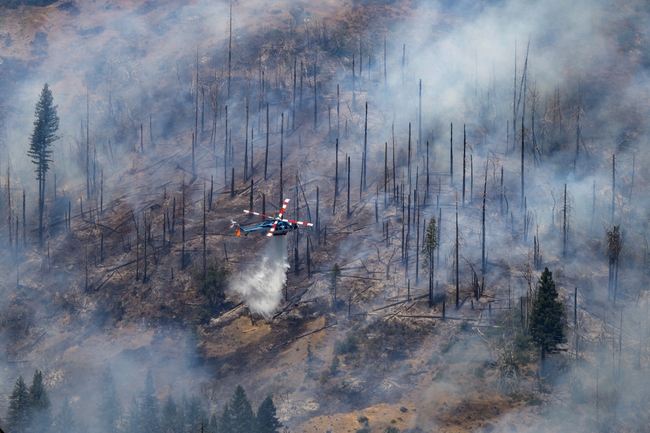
[[301, 223], [284, 207], [250, 212], [270, 233]]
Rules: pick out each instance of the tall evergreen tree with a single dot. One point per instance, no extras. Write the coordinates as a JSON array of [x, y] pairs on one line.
[[213, 426], [64, 421], [133, 419], [225, 420], [45, 127], [335, 276], [169, 417], [110, 407], [19, 407], [149, 407], [267, 420], [194, 414], [241, 412], [40, 406], [428, 249], [546, 327]]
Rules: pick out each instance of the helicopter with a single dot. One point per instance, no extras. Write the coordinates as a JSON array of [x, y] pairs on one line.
[[271, 226]]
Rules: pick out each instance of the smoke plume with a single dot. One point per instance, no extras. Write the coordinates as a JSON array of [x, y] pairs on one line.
[[261, 284]]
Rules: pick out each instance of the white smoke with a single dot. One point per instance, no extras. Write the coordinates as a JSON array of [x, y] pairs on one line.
[[261, 284]]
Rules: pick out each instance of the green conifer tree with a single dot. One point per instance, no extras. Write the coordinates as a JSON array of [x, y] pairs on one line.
[[133, 419], [149, 407], [110, 407], [213, 427], [241, 412], [64, 421], [428, 249], [267, 420], [194, 414], [19, 408], [40, 406], [546, 327], [169, 418], [335, 276], [225, 421], [45, 127]]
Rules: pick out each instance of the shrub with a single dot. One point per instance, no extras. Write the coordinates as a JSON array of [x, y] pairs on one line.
[[349, 345]]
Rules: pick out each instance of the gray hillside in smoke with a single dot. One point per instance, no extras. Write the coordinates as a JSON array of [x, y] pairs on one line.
[[519, 126]]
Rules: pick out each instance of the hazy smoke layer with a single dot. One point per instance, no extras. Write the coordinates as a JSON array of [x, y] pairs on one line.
[[261, 284]]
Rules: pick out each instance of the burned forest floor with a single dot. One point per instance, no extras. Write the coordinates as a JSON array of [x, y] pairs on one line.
[[174, 120]]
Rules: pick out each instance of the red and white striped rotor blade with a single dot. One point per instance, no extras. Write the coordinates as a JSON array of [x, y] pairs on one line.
[[300, 223], [270, 233], [250, 212], [284, 207]]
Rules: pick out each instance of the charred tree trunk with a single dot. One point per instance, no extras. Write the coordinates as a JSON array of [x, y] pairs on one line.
[[266, 153], [336, 178], [613, 187], [522, 162], [456, 251], [464, 161], [365, 148], [281, 156], [483, 257], [348, 169], [420, 118], [451, 155]]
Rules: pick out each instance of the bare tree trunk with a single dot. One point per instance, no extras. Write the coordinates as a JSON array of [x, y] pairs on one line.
[[183, 228], [348, 169], [564, 225], [246, 144], [281, 156], [205, 254], [336, 178], [483, 258], [427, 192], [613, 187], [464, 161], [522, 162], [24, 223], [266, 155], [315, 100], [365, 148], [457, 248], [385, 74], [409, 159], [420, 118], [230, 52], [293, 111]]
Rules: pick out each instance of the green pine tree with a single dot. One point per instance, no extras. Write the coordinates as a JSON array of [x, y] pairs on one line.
[[110, 407], [169, 417], [225, 420], [546, 327], [241, 412], [267, 420], [45, 127], [213, 285], [19, 408], [132, 420], [213, 427], [335, 275], [64, 422], [428, 249], [40, 406], [194, 414], [149, 407]]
